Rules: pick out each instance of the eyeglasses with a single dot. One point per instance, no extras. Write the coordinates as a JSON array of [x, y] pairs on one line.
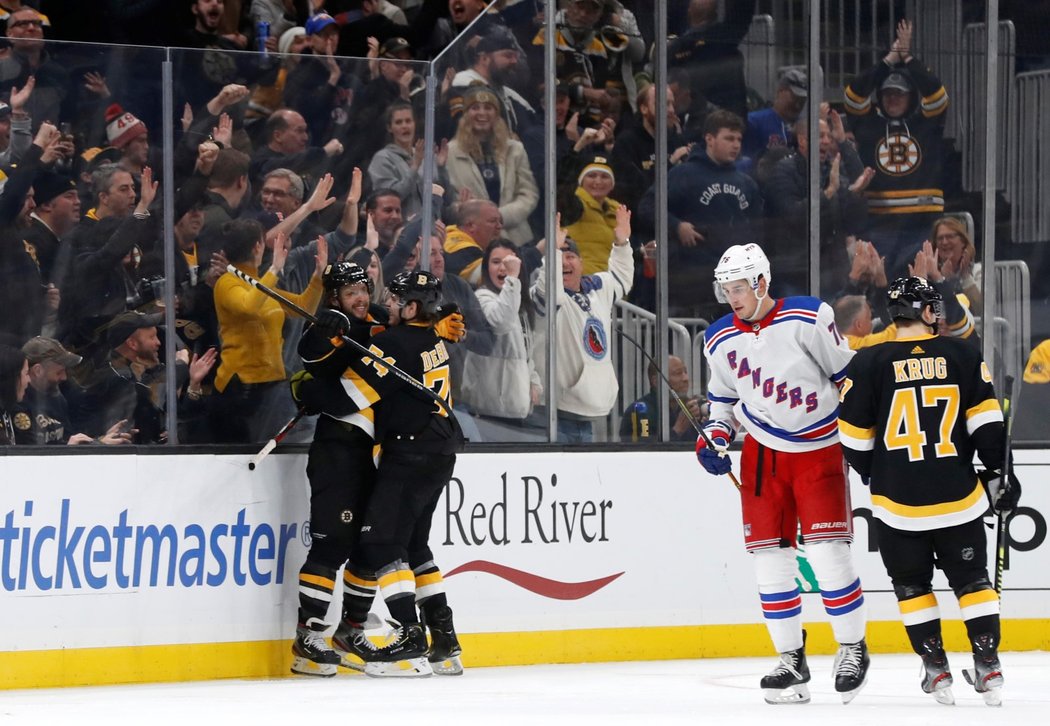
[[27, 24]]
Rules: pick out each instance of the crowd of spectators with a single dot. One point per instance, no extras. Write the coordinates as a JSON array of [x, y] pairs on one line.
[[309, 149]]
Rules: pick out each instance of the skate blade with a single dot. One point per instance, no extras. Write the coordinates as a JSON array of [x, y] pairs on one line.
[[305, 667], [944, 696], [449, 667], [350, 661], [991, 690], [848, 696], [798, 693], [411, 668]]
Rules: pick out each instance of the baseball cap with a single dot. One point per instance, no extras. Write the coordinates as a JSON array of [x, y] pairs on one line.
[[394, 48], [571, 246], [318, 22], [896, 81], [796, 80], [5, 110], [40, 350], [123, 325], [495, 40]]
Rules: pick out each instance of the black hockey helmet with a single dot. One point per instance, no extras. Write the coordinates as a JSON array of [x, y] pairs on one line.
[[339, 274], [420, 286], [907, 297]]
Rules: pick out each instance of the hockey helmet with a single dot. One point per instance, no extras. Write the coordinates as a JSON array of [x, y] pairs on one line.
[[742, 262], [419, 286], [907, 297], [340, 274]]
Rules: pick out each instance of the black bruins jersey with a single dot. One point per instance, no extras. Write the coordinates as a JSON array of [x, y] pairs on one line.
[[404, 417], [912, 413]]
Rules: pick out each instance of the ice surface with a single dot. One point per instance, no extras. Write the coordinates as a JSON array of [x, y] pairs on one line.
[[722, 692]]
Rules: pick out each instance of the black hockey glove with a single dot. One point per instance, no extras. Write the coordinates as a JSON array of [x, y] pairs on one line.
[[1003, 492], [332, 323]]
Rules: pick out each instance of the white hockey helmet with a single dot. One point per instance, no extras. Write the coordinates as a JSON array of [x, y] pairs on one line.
[[742, 262]]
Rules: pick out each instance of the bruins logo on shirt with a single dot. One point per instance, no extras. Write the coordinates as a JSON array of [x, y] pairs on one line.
[[23, 422], [898, 154]]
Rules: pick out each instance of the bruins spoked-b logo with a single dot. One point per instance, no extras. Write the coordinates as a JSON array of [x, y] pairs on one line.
[[898, 154]]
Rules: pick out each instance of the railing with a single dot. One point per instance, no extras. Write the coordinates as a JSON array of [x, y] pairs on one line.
[[1028, 186], [640, 326]]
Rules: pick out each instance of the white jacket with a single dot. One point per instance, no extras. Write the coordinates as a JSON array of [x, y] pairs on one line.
[[498, 384], [587, 384]]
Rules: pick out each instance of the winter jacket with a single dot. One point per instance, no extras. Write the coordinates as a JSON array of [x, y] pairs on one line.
[[518, 192], [593, 231], [499, 384]]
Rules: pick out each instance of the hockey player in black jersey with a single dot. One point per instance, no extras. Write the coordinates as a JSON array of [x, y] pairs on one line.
[[913, 413], [341, 473], [418, 441]]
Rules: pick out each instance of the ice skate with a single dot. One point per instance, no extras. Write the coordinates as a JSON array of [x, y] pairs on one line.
[[936, 677], [851, 669], [444, 645], [353, 646], [787, 682], [311, 654], [987, 675], [403, 657]]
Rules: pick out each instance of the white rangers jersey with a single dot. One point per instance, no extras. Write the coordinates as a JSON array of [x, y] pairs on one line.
[[779, 377]]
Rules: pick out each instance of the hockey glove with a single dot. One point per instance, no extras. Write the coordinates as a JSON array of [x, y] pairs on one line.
[[1003, 492], [332, 323], [304, 393], [715, 461], [451, 326]]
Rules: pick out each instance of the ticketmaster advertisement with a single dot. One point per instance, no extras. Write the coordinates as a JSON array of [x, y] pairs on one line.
[[116, 551]]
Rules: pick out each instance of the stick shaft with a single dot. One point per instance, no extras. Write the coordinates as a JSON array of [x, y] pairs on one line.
[[678, 399], [277, 438], [1001, 541], [363, 350]]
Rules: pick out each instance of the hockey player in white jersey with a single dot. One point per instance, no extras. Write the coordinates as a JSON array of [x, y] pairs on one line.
[[775, 370]]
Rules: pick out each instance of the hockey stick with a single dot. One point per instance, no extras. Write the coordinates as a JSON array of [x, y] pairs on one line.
[[1002, 544], [678, 399], [277, 438], [310, 318]]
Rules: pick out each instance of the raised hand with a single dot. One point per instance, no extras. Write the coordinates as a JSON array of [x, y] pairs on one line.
[[96, 83], [354, 195], [20, 96], [207, 153], [281, 246], [512, 263], [572, 128], [321, 257], [201, 365], [223, 133], [187, 117], [371, 233], [861, 182], [623, 225], [319, 198], [148, 191]]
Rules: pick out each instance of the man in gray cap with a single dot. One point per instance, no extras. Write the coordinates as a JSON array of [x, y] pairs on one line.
[[773, 127], [47, 419], [897, 107]]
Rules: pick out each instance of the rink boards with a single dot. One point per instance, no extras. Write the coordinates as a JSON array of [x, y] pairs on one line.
[[118, 569]]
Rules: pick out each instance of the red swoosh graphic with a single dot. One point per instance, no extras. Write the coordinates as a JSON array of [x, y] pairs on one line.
[[534, 583]]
